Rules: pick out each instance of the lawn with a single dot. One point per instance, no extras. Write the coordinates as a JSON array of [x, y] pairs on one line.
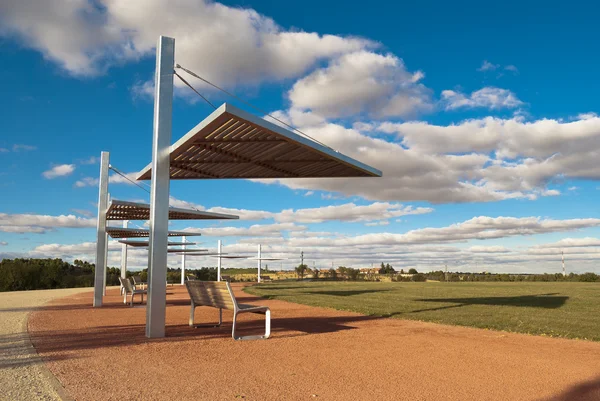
[[569, 310]]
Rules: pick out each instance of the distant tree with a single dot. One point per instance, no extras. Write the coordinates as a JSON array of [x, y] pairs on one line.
[[418, 277], [412, 271], [352, 274], [386, 269], [301, 270], [332, 273]]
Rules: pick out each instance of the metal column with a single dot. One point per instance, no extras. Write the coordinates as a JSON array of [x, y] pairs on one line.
[[183, 263], [219, 260], [124, 255], [100, 272], [159, 191], [259, 263]]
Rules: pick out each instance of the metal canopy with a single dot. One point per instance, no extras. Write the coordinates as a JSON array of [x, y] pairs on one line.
[[123, 210], [186, 251], [120, 232], [231, 143], [140, 244]]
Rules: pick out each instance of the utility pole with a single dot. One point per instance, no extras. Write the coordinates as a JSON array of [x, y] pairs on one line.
[[302, 257], [563, 263], [446, 272]]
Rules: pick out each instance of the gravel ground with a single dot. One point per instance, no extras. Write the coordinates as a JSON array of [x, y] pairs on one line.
[[22, 374], [314, 353]]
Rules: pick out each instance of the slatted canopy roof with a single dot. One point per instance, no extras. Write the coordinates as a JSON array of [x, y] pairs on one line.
[[120, 232], [231, 143], [123, 210], [139, 244]]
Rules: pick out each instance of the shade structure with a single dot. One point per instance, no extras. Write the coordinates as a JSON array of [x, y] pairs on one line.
[[142, 244], [123, 210], [186, 251], [120, 232], [231, 143]]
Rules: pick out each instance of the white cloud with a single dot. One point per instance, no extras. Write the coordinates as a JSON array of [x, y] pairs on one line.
[[86, 182], [487, 66], [211, 38], [489, 249], [363, 82], [35, 223], [112, 179], [489, 97], [477, 228], [21, 147], [486, 159], [61, 170], [256, 230], [571, 242], [511, 68], [3, 243], [4, 150], [349, 212]]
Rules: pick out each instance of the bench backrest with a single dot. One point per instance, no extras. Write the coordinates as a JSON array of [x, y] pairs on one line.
[[126, 284], [190, 277], [137, 279], [211, 293]]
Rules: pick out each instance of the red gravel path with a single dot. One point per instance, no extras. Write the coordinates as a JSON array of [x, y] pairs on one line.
[[314, 353]]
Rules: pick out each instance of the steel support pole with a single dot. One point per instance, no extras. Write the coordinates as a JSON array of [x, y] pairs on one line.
[[124, 255], [104, 278], [183, 263], [219, 260], [159, 188], [259, 263], [100, 270]]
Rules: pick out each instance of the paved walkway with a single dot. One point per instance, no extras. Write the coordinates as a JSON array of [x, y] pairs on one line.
[[314, 353], [22, 374]]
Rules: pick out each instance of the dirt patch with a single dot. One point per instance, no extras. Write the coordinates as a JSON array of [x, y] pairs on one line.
[[314, 353]]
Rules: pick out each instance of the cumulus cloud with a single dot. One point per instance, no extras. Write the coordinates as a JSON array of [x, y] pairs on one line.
[[61, 170], [489, 97], [363, 82], [570, 243], [255, 230], [476, 160], [350, 212], [3, 243], [86, 38], [35, 223]]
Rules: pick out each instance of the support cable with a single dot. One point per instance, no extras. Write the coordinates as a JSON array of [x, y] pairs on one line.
[[192, 88], [127, 178], [250, 105]]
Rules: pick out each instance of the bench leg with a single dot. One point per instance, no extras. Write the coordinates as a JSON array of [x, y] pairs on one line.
[[191, 322], [267, 313]]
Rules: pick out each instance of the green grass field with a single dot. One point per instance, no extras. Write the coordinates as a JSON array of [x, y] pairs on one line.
[[569, 310]]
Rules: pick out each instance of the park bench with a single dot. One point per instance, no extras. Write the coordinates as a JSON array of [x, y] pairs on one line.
[[266, 278], [226, 278], [218, 294], [137, 281], [129, 288], [190, 277]]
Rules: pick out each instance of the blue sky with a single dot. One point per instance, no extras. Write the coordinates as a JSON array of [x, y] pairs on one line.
[[482, 118]]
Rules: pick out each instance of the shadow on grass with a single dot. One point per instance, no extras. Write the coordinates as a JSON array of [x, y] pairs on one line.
[[342, 293], [546, 301]]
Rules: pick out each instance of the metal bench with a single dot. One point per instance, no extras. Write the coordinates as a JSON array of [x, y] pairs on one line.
[[218, 294], [129, 288]]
